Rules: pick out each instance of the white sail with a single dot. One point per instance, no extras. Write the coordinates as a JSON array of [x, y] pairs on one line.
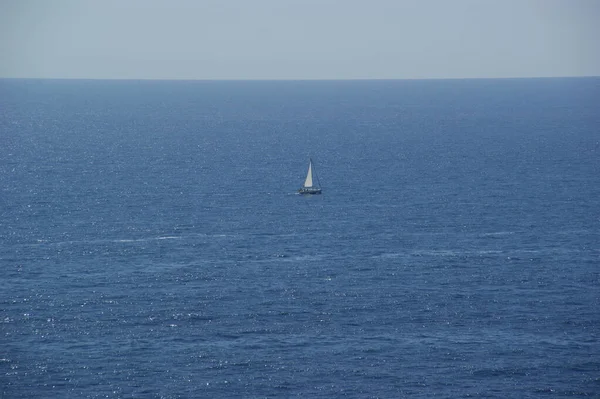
[[308, 182]]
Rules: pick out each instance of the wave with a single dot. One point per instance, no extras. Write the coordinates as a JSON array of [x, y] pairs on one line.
[[482, 252], [497, 233], [40, 242], [105, 241], [145, 239]]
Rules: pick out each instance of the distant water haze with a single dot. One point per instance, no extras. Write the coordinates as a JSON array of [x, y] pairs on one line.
[[292, 39]]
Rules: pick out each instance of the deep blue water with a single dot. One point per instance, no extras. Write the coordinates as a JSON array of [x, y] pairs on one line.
[[152, 244]]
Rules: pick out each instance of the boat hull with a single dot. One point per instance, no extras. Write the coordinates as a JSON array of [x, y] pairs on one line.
[[309, 191]]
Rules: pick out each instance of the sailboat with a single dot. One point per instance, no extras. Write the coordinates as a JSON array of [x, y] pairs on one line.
[[309, 187]]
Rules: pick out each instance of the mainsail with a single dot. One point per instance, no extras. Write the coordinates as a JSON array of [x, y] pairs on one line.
[[308, 182]]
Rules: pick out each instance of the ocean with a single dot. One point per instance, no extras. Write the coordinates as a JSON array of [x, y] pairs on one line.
[[152, 244]]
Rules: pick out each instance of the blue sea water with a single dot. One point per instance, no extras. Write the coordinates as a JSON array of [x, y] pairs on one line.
[[152, 244]]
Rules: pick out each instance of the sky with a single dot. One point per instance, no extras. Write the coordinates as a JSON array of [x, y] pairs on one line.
[[298, 39]]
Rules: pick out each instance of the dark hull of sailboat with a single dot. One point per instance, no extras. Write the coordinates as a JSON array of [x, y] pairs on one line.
[[309, 191]]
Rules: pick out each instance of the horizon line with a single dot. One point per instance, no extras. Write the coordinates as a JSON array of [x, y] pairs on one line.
[[299, 79]]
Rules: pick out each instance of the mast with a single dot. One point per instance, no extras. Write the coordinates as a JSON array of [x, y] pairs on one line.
[[316, 176]]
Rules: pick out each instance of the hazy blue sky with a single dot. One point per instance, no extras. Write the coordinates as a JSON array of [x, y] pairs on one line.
[[298, 39]]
